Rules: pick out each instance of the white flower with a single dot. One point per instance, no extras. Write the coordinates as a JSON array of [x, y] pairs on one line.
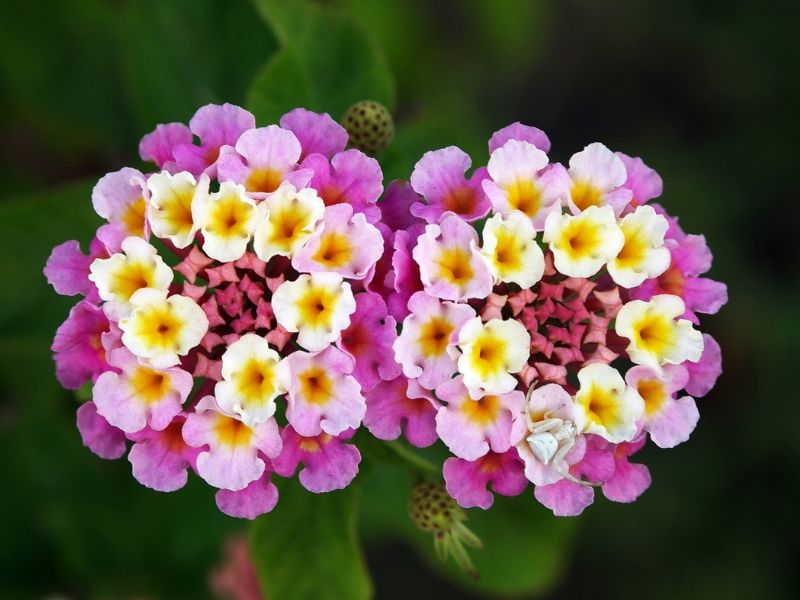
[[121, 275], [161, 329], [491, 351], [318, 306], [292, 218], [605, 405], [228, 218], [597, 176], [656, 335], [169, 211], [249, 383], [583, 243], [510, 250], [643, 256]]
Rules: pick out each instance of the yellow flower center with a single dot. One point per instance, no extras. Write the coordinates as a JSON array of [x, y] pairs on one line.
[[263, 181], [314, 444], [454, 266], [288, 223], [177, 211], [158, 326], [601, 406], [256, 380], [148, 385], [133, 218], [317, 306], [232, 432], [584, 195], [525, 196], [580, 238], [130, 277], [488, 354], [334, 250], [508, 253], [434, 336], [229, 216], [654, 333], [635, 248], [316, 386], [653, 393], [483, 411]]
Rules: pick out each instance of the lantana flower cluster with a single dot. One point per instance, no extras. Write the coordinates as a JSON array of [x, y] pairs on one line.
[[258, 297]]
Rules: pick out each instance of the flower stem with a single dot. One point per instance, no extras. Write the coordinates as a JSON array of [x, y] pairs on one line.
[[412, 459]]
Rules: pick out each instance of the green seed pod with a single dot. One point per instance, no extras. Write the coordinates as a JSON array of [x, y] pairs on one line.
[[433, 510], [369, 126]]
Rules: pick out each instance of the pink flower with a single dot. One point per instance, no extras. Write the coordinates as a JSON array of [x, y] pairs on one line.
[[549, 404], [629, 480], [567, 498], [216, 126], [77, 348], [328, 464], [317, 133], [669, 420], [232, 459], [467, 481], [160, 459], [259, 497], [140, 396], [402, 404], [522, 133], [101, 438], [67, 269], [470, 428], [522, 179], [369, 340], [263, 159], [157, 146], [643, 181], [346, 244], [426, 347], [704, 373], [450, 266], [690, 257], [396, 206], [406, 271], [323, 395], [350, 177], [597, 179], [439, 177], [119, 197]]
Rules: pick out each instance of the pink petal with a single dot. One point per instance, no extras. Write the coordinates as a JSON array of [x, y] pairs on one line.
[[259, 497], [101, 438], [318, 133]]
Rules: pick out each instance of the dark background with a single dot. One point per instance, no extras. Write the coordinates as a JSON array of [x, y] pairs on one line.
[[706, 91]]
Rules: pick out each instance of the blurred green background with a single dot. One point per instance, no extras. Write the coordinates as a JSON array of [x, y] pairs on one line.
[[706, 91]]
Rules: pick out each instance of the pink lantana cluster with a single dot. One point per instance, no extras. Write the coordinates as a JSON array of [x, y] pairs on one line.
[[548, 319], [259, 298], [227, 324]]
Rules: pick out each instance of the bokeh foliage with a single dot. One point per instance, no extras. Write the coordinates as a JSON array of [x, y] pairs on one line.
[[703, 90]]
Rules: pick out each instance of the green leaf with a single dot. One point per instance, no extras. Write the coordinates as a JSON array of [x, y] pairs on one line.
[[308, 547], [182, 54], [326, 64], [525, 547]]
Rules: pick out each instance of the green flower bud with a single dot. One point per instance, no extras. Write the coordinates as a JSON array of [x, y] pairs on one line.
[[369, 126], [432, 510]]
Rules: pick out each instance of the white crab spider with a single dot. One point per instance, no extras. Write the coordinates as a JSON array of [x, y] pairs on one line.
[[551, 440]]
